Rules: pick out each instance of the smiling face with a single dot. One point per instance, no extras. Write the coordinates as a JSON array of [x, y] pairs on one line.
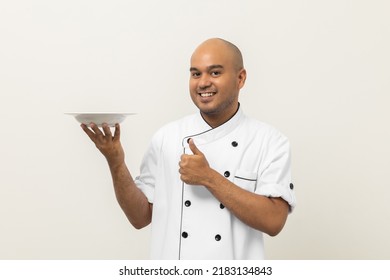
[[217, 75]]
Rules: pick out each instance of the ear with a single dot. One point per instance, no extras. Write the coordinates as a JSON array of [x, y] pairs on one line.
[[241, 78]]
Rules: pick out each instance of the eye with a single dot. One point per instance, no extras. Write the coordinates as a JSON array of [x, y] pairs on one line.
[[215, 73], [195, 74]]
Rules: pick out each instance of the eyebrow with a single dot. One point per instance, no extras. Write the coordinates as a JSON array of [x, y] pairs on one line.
[[209, 68]]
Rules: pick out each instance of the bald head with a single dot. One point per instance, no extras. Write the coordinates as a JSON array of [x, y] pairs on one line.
[[217, 75], [224, 47]]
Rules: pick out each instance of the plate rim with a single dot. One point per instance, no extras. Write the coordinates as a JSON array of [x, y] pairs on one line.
[[98, 113]]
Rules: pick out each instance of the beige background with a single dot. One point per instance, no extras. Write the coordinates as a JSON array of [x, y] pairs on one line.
[[317, 70]]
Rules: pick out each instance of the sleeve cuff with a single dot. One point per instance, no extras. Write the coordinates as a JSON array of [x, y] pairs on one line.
[[146, 189], [277, 190]]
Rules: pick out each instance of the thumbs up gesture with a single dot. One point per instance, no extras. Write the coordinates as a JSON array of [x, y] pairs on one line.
[[195, 168]]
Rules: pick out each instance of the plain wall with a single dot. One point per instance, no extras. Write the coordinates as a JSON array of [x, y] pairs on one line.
[[317, 70]]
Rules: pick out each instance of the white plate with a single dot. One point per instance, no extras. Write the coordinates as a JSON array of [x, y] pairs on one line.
[[100, 117]]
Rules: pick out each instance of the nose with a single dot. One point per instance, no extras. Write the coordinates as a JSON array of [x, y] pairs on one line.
[[204, 82]]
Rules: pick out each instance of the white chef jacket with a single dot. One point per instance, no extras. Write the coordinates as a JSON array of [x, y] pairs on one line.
[[188, 222]]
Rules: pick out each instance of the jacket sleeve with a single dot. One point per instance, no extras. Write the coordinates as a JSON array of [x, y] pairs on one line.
[[146, 180], [274, 180]]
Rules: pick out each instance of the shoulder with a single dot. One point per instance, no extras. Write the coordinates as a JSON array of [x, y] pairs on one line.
[[176, 125], [262, 129], [174, 128]]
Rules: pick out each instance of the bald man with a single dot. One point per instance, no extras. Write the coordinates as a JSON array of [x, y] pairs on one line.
[[211, 183]]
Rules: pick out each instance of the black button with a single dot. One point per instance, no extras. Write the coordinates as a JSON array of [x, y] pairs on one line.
[[226, 174], [234, 144], [218, 237], [291, 186], [221, 206], [187, 203], [184, 234]]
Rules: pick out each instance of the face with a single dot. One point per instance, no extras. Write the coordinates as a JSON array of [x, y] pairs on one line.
[[215, 82]]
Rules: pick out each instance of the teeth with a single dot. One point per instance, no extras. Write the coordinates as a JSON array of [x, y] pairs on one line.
[[207, 94]]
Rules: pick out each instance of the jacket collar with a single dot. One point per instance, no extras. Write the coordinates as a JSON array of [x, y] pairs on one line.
[[204, 133]]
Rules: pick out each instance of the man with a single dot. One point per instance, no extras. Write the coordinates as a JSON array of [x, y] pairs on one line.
[[211, 183]]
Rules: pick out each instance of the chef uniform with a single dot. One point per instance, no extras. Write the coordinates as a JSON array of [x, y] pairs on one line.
[[188, 222]]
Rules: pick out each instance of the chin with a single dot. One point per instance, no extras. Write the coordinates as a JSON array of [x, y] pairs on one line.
[[207, 108]]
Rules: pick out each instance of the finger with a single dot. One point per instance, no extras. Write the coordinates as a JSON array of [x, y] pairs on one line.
[[107, 130], [89, 132], [193, 148], [96, 129], [117, 133], [183, 160]]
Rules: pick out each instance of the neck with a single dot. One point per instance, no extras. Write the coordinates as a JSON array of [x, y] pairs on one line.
[[214, 120]]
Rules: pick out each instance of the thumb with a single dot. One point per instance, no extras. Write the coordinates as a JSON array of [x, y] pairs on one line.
[[193, 148]]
